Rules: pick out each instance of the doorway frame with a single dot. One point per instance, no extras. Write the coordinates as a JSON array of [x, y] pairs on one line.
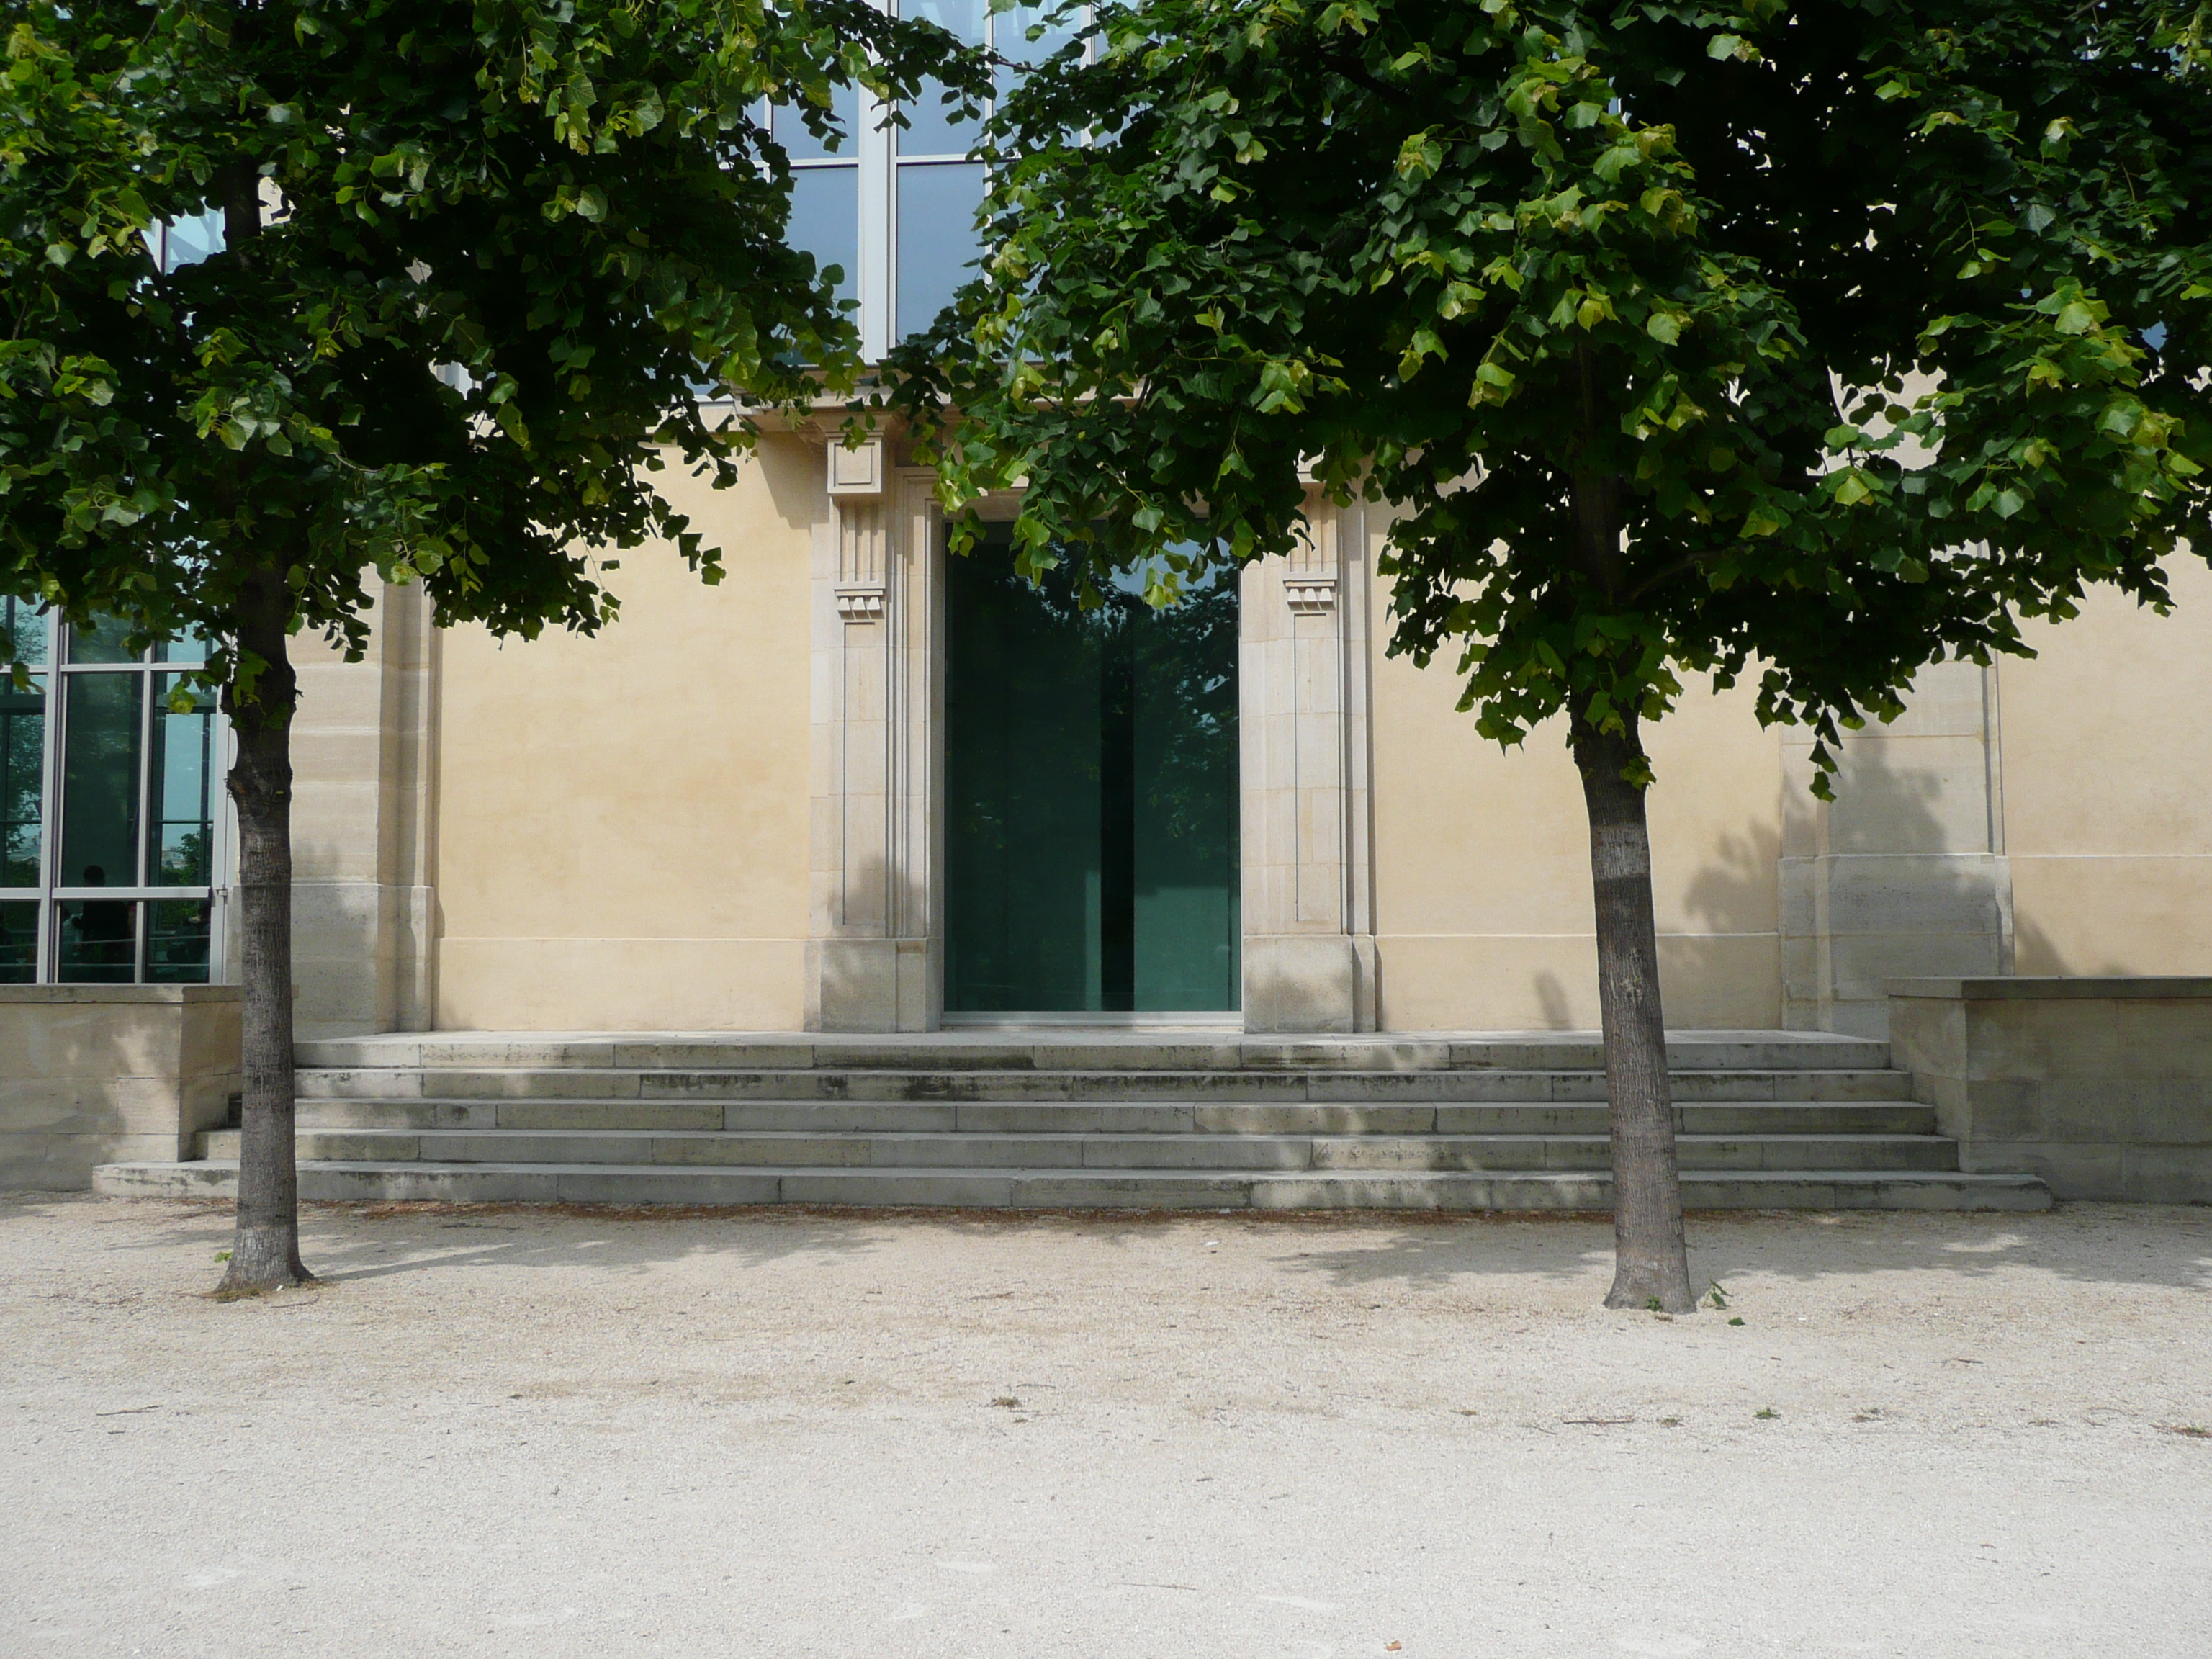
[[875, 953]]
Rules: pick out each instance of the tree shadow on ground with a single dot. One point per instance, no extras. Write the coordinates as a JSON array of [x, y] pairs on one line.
[[2092, 1244], [363, 1241]]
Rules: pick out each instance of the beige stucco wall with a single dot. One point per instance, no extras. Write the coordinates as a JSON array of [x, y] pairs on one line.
[[622, 821], [1483, 909], [2108, 788]]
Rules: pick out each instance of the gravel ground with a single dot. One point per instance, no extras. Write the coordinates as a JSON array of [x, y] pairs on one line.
[[508, 1432]]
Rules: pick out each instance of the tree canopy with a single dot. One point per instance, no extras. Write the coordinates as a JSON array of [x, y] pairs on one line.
[[495, 250], [1812, 342], [1864, 327], [477, 265]]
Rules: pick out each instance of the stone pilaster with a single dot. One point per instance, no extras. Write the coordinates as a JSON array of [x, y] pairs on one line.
[[364, 823], [1308, 947], [874, 957]]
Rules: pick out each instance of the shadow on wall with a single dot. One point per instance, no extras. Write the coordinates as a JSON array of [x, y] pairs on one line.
[[1901, 877]]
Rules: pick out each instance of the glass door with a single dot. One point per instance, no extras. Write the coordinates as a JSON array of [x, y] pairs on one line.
[[1090, 796]]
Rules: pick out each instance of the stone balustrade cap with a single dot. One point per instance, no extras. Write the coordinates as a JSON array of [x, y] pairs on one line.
[[2026, 988], [116, 996]]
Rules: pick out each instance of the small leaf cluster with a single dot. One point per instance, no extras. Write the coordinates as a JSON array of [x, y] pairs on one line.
[[1810, 344], [489, 267]]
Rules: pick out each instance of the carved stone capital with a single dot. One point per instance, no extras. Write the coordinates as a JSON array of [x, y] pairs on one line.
[[861, 603]]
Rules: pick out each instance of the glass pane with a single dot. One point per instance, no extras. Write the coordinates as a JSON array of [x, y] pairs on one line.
[[1091, 789], [101, 642], [788, 126], [177, 942], [1023, 858], [936, 238], [19, 942], [23, 633], [22, 781], [100, 782], [181, 767], [188, 242], [931, 127], [825, 222], [98, 942], [1010, 31], [1187, 923], [191, 648]]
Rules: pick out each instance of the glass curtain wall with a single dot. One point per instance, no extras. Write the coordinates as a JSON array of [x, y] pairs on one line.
[[1091, 795], [109, 769]]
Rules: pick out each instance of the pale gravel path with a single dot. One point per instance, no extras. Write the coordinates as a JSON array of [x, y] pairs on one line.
[[514, 1432]]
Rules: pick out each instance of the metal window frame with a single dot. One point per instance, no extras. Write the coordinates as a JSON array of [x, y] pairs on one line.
[[51, 895], [876, 156]]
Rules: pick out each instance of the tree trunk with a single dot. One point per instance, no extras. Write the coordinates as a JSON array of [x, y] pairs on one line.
[[1650, 1259], [266, 1252]]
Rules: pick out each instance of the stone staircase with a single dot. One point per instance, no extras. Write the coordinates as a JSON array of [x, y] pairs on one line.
[[1080, 1118]]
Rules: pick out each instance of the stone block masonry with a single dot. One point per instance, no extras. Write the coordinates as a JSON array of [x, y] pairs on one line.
[[2103, 1086], [93, 1073]]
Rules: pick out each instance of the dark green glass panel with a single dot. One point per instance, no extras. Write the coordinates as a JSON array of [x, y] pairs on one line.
[[98, 942], [19, 942], [101, 642], [180, 833], [1187, 922], [1022, 792], [1090, 778], [100, 782], [177, 942]]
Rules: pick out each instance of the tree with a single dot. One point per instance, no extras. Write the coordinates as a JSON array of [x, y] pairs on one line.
[[476, 264], [1812, 343]]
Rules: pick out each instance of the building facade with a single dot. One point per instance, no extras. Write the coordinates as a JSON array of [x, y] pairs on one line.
[[861, 785], [798, 800]]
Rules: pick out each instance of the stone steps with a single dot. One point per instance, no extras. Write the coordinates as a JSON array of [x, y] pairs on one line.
[[1086, 1119], [1199, 1050], [1106, 1117], [774, 1149], [1144, 1086], [1139, 1189]]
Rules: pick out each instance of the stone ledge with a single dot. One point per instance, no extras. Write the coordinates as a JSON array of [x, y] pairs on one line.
[[117, 995], [2055, 989]]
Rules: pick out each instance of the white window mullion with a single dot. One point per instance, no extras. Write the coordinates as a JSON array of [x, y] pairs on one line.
[[879, 230]]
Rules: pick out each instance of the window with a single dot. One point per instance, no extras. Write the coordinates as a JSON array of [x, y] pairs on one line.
[[110, 858], [896, 209]]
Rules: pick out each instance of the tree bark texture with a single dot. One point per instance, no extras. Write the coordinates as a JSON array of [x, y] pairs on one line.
[[1651, 1262], [266, 1252]]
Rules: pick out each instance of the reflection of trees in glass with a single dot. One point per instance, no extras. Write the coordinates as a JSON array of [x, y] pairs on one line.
[[18, 943], [22, 746], [178, 836], [100, 781], [177, 942], [22, 766]]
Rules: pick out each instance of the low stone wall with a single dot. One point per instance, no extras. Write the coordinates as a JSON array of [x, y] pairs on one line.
[[2103, 1086], [94, 1074]]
